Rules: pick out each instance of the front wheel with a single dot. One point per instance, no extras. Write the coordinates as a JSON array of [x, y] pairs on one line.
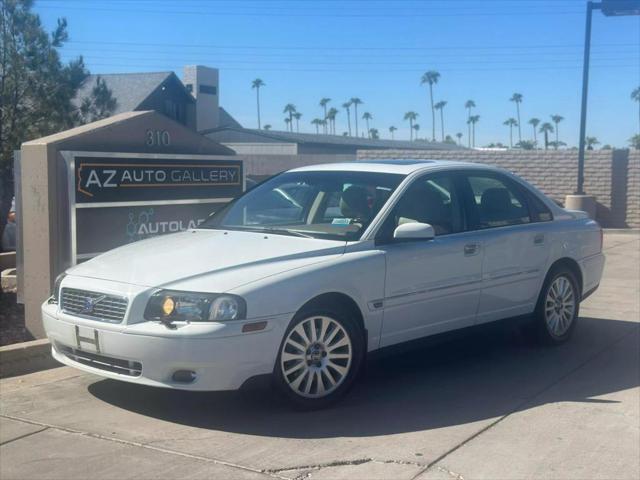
[[319, 358], [557, 309]]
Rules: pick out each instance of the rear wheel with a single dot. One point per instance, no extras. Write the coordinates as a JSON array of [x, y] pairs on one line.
[[319, 358], [558, 305]]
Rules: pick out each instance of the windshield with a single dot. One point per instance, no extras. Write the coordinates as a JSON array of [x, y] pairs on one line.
[[335, 205]]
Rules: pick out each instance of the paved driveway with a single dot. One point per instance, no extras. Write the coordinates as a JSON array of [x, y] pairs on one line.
[[483, 406]]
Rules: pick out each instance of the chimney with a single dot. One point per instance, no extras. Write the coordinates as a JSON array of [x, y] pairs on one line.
[[202, 82]]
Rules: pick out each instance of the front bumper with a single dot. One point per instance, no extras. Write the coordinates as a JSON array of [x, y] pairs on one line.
[[222, 358]]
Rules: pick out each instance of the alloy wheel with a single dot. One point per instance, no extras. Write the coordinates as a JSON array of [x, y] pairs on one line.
[[316, 357], [560, 306]]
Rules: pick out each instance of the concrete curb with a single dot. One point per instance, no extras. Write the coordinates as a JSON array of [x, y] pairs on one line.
[[26, 357], [626, 231]]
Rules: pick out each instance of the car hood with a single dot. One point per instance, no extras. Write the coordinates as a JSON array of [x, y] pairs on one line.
[[227, 259]]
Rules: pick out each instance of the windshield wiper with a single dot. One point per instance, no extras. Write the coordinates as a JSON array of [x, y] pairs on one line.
[[284, 231]]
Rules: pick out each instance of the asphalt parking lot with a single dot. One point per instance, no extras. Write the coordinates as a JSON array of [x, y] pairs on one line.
[[489, 405]]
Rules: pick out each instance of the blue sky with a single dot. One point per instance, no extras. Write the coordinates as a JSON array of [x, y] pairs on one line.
[[376, 50]]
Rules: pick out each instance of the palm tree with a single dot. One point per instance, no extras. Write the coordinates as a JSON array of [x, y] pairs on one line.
[[366, 116], [374, 134], [473, 119], [287, 122], [440, 106], [297, 116], [411, 116], [546, 128], [323, 122], [635, 96], [469, 104], [416, 127], [459, 136], [534, 122], [267, 127], [591, 142], [323, 104], [355, 101], [346, 106], [431, 77], [557, 119], [316, 122], [290, 108], [331, 116], [392, 129], [517, 99], [257, 83], [510, 122]]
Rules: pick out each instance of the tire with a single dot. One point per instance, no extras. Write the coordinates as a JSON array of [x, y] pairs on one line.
[[558, 306], [323, 372]]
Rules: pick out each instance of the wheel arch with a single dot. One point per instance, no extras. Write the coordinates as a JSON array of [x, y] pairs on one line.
[[340, 301], [572, 265]]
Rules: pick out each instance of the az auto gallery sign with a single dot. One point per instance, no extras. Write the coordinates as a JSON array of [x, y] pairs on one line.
[[119, 198], [136, 179]]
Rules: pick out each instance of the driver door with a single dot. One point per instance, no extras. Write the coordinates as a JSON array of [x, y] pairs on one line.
[[431, 285]]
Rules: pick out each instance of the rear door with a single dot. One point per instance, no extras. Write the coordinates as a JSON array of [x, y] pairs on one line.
[[515, 245]]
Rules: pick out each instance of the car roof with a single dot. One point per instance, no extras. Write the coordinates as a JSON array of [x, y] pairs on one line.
[[403, 166]]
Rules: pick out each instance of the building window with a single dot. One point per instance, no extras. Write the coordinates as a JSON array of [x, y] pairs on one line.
[[208, 89]]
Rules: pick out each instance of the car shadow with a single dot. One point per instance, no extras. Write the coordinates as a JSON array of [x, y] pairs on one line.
[[481, 374]]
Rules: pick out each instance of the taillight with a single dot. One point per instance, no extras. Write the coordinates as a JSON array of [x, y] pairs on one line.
[[601, 238]]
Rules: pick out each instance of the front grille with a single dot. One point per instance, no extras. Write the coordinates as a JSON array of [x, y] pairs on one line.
[[95, 305], [102, 362]]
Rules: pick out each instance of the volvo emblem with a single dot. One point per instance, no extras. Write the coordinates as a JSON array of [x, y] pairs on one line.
[[90, 303]]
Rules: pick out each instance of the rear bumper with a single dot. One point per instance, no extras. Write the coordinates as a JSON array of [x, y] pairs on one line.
[[219, 363], [592, 268]]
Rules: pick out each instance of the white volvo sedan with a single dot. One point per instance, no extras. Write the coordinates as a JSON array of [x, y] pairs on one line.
[[309, 271]]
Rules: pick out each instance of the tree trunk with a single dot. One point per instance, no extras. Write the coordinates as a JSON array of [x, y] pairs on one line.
[[258, 103], [433, 114], [519, 129], [469, 128], [546, 140], [355, 109], [349, 121], [324, 127], [442, 122]]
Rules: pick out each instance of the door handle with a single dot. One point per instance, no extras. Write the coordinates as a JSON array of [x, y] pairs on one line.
[[538, 239], [471, 249]]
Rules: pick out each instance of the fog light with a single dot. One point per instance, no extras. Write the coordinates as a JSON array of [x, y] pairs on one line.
[[184, 376]]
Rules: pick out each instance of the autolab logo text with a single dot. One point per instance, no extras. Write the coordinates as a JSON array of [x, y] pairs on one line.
[[144, 226]]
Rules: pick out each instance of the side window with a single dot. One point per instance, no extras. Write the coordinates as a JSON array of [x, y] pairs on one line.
[[496, 202], [433, 200], [539, 210]]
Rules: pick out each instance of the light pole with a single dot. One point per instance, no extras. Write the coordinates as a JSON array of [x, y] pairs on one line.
[[611, 8]]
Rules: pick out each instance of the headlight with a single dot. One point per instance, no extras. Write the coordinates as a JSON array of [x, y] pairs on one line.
[[175, 306], [55, 295]]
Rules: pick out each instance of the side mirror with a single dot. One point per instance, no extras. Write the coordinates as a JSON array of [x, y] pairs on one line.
[[414, 231]]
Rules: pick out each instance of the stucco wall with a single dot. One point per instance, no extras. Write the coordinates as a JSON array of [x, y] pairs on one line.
[[613, 177]]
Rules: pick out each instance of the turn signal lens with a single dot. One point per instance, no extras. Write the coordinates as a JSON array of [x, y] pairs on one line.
[[168, 306]]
